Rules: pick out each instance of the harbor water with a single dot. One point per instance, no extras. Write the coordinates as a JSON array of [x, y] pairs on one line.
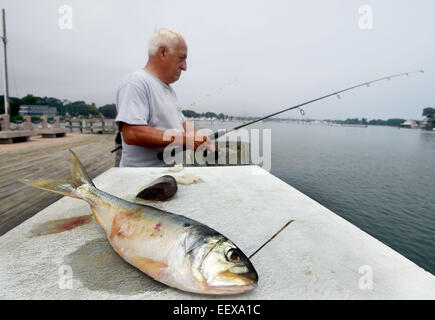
[[381, 179]]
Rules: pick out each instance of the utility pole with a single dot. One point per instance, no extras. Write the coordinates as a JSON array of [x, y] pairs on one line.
[[6, 96]]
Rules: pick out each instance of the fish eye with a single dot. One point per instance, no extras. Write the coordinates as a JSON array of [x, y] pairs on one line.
[[233, 255]]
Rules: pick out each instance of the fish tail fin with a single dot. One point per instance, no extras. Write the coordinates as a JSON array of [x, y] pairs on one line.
[[66, 187]]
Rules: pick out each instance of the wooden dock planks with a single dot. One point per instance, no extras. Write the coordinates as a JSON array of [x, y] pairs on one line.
[[18, 201]]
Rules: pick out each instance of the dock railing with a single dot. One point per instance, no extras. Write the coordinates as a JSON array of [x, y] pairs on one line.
[[92, 125]]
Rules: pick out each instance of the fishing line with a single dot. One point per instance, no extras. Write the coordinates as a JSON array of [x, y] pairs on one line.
[[208, 95], [285, 226]]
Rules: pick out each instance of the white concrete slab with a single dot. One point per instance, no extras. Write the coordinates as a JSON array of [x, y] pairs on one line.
[[318, 256]]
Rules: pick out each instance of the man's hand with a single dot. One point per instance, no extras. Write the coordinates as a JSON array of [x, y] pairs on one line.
[[197, 139], [194, 139], [205, 141]]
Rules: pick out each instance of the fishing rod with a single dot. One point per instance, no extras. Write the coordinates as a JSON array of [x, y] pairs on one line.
[[337, 93], [221, 133]]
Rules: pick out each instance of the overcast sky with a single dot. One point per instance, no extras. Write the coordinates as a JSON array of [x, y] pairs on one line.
[[265, 55]]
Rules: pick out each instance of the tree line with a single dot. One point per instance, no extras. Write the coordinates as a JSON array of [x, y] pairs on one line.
[[429, 113], [81, 108], [64, 107], [375, 122]]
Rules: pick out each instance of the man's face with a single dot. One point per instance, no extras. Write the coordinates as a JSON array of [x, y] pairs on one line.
[[175, 62]]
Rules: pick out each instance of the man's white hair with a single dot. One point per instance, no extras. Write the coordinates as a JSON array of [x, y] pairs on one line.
[[167, 37]]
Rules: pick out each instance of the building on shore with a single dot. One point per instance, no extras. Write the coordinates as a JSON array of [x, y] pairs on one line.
[[37, 110], [426, 124], [411, 124]]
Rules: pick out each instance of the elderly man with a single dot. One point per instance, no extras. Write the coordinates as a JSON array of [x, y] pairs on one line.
[[147, 105]]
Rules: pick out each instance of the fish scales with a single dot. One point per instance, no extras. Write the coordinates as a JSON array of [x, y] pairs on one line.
[[154, 230]]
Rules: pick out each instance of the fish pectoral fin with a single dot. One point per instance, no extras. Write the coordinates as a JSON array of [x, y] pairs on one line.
[[153, 268]]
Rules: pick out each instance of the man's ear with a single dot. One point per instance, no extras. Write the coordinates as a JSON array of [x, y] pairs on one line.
[[162, 52]]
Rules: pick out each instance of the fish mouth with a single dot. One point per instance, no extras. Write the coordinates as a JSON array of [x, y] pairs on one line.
[[233, 283], [238, 289], [246, 279], [231, 289], [252, 275]]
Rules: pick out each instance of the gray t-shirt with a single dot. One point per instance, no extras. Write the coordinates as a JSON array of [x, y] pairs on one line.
[[142, 99]]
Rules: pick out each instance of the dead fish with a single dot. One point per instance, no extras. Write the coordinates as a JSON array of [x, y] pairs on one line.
[[160, 189], [173, 249]]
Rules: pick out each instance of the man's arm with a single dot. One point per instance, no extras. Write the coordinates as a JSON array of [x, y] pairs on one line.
[[149, 137]]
